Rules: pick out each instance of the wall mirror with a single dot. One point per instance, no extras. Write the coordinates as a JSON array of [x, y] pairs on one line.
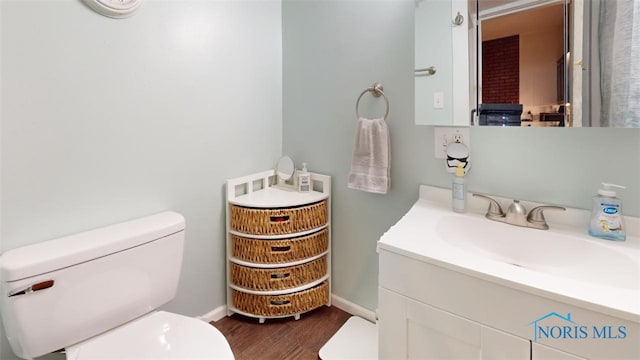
[[564, 63], [560, 63], [521, 64]]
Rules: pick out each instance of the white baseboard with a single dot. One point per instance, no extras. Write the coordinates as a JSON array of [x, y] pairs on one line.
[[342, 304], [215, 314], [353, 308]]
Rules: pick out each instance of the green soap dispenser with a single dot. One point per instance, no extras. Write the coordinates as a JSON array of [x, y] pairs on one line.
[[607, 221]]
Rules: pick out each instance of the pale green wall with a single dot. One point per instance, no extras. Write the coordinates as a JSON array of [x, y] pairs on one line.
[[335, 49], [430, 14], [332, 51], [106, 120]]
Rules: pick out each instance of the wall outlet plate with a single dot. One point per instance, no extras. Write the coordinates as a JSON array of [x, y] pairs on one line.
[[445, 135]]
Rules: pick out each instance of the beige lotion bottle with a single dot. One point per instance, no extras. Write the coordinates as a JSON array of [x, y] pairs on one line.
[[304, 179]]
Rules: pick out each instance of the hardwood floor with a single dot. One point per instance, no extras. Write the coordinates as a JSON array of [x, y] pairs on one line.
[[282, 338]]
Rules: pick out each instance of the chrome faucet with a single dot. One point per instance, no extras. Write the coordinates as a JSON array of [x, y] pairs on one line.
[[517, 214]]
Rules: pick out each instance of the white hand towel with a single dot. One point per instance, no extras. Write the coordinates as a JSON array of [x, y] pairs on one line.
[[371, 160]]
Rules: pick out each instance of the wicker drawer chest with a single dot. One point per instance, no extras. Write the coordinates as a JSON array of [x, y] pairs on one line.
[[278, 247]]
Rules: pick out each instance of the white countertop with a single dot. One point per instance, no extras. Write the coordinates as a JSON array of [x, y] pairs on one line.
[[274, 197], [415, 236]]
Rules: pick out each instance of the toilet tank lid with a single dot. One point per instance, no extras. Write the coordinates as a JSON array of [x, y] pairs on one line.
[[43, 257]]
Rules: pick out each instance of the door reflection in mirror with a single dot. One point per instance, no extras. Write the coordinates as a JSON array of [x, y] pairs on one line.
[[586, 72], [523, 63], [619, 35]]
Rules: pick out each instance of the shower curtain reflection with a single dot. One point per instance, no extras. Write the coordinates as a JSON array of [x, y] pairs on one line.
[[620, 63]]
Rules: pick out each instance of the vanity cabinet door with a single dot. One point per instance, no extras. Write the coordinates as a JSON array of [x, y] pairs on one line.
[[541, 352], [412, 330]]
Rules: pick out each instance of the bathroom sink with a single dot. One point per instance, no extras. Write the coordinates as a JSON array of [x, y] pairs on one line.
[[562, 264], [553, 253]]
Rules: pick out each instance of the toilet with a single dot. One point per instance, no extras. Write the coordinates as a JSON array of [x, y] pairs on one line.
[[95, 295]]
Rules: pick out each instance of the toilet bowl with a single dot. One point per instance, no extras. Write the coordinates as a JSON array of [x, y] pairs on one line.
[[96, 295], [159, 335]]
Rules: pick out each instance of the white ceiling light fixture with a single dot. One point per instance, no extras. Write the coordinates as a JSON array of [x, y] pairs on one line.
[[114, 8]]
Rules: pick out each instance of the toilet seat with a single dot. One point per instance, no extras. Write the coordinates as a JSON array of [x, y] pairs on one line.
[[159, 335]]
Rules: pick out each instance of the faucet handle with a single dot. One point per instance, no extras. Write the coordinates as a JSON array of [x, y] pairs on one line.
[[536, 216], [494, 211]]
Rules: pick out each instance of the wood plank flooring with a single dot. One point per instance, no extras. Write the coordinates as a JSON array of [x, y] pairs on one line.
[[280, 339]]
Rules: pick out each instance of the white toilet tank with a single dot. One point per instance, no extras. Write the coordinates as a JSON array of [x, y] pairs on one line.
[[59, 292]]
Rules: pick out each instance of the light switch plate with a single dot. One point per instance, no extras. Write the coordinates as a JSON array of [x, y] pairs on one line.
[[438, 100]]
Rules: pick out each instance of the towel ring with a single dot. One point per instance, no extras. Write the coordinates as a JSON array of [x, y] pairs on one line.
[[377, 91]]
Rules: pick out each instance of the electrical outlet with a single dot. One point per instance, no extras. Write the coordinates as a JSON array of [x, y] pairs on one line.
[[445, 135]]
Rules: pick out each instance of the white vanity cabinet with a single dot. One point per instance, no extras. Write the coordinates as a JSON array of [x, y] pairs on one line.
[[413, 330], [541, 352], [278, 247], [410, 327], [440, 300]]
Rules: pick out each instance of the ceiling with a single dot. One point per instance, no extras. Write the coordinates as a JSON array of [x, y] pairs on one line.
[[523, 22]]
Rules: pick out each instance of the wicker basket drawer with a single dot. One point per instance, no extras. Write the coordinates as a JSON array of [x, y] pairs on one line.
[[278, 251], [282, 305], [280, 278], [278, 221]]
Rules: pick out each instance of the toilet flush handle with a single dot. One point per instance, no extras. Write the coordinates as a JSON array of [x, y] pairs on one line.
[[31, 288]]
